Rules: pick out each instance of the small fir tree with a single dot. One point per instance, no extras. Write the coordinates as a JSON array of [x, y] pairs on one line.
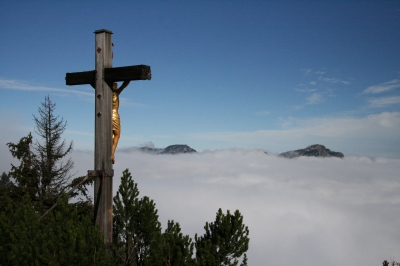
[[51, 150], [225, 241], [4, 180], [27, 175], [136, 230], [176, 249], [42, 173]]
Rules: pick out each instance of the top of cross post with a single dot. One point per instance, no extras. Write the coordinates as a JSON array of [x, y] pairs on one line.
[[103, 30]]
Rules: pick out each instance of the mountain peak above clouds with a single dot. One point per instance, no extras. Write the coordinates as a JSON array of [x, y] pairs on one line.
[[178, 148], [316, 150], [151, 150], [172, 149]]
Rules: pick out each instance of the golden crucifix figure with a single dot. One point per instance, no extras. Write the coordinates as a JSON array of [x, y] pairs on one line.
[[116, 124]]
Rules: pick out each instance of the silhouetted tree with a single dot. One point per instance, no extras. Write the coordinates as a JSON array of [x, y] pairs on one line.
[[225, 241], [26, 176], [136, 227], [4, 180], [42, 173], [176, 249], [51, 150], [393, 263], [62, 238], [66, 236]]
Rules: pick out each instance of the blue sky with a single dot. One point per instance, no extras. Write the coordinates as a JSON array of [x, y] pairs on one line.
[[271, 75]]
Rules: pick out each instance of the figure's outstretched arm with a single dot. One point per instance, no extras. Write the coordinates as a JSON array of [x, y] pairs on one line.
[[123, 86]]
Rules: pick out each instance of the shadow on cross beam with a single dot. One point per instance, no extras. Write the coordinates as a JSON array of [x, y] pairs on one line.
[[139, 72]]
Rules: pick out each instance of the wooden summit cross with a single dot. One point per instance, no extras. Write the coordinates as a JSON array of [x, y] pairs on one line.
[[102, 79]]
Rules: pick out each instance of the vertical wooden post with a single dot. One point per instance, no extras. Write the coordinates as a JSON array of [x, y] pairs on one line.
[[103, 136], [103, 172]]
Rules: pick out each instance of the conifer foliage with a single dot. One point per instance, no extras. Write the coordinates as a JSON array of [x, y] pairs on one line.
[[27, 175], [66, 236], [224, 242], [52, 149], [176, 249], [136, 229], [42, 173], [4, 180], [62, 238]]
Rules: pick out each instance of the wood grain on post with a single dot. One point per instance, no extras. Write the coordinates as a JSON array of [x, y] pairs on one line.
[[103, 135]]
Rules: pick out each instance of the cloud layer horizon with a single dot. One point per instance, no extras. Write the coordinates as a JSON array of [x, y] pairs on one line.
[[304, 211]]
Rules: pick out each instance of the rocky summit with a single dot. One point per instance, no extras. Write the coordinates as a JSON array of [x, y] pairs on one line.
[[178, 148], [151, 150], [316, 150]]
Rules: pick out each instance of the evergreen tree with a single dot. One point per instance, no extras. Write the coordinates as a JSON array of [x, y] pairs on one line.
[[136, 227], [27, 175], [42, 173], [4, 180], [51, 150], [62, 238], [176, 249], [4, 190], [225, 241], [66, 236]]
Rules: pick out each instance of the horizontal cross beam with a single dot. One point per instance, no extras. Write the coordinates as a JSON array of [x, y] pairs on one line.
[[139, 72], [80, 78]]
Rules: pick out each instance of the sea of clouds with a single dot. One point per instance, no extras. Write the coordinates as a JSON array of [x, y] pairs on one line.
[[303, 211]]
